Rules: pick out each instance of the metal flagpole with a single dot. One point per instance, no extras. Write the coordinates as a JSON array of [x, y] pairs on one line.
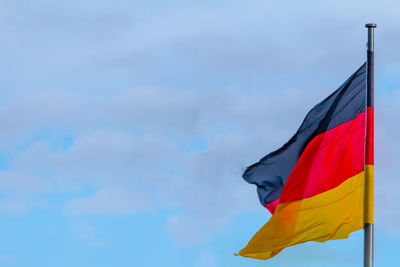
[[368, 193]]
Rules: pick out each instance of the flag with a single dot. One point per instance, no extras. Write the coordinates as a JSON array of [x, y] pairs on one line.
[[314, 184]]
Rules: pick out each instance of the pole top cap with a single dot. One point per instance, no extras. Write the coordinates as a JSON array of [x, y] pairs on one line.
[[370, 25]]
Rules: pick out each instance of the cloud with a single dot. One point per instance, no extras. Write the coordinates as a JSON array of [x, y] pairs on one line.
[[387, 145], [205, 258], [110, 201], [87, 233], [21, 191]]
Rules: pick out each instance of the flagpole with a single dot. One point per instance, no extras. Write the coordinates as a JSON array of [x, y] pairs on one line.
[[368, 193]]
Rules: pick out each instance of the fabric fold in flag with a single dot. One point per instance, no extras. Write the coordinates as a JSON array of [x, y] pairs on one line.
[[314, 184]]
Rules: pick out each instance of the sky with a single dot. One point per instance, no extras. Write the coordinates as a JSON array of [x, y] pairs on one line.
[[126, 125]]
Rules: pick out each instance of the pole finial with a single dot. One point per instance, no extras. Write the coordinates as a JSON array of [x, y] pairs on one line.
[[370, 25]]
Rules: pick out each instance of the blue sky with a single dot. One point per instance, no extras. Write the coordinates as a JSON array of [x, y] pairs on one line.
[[126, 125]]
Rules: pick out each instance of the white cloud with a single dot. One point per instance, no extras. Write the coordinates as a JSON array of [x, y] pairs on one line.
[[111, 201]]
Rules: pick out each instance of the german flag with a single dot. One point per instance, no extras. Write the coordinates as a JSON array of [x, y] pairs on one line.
[[314, 184]]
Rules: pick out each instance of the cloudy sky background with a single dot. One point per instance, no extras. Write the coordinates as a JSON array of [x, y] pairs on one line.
[[126, 125]]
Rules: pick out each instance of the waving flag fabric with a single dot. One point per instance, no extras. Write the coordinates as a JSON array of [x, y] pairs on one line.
[[314, 184]]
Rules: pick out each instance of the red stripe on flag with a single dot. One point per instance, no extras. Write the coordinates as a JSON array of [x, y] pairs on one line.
[[272, 205], [328, 160]]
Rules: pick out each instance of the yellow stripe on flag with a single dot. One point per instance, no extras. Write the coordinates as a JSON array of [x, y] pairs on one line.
[[333, 214]]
